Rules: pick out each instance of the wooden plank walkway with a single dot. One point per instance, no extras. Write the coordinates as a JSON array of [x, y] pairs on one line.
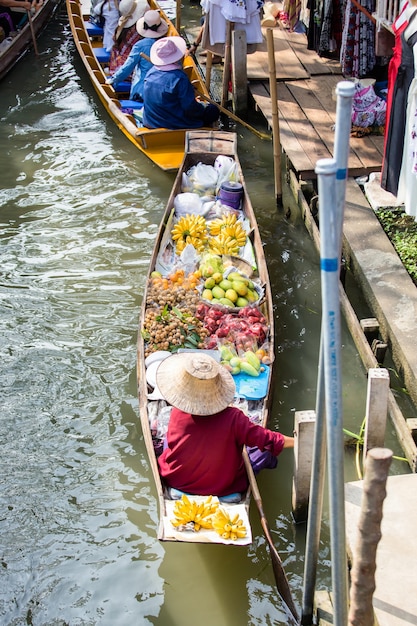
[[307, 106]]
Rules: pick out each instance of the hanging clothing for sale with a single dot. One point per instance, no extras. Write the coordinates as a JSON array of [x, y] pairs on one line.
[[245, 14], [407, 185], [398, 27], [357, 54], [395, 133]]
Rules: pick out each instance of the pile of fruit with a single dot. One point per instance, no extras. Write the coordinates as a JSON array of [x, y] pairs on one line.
[[246, 329], [170, 321], [192, 515], [233, 290], [249, 363]]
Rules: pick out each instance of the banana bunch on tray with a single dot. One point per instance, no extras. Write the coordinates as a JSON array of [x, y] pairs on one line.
[[227, 235], [228, 527], [192, 515], [190, 228]]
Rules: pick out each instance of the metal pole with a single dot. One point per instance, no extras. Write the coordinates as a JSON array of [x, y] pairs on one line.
[[326, 170], [344, 91], [315, 504]]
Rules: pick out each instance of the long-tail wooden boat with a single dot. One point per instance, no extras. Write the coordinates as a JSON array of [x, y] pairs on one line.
[[15, 46], [164, 147], [175, 297]]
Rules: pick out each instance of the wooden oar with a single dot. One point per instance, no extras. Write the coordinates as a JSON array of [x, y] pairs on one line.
[[279, 572], [223, 109], [35, 45], [235, 117]]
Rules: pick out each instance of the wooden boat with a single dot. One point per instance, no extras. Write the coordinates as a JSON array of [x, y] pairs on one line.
[[253, 392], [13, 48], [164, 147]]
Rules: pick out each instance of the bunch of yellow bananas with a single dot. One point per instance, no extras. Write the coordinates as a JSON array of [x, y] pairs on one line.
[[190, 228], [224, 244], [192, 515], [227, 235], [216, 226], [228, 527]]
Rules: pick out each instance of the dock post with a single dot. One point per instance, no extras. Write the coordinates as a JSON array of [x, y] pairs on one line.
[[239, 72], [377, 464], [276, 140], [303, 454], [226, 66], [376, 408]]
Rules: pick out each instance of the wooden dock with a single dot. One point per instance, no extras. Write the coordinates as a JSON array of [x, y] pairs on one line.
[[307, 106]]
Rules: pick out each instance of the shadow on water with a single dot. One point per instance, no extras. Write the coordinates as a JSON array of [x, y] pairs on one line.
[[79, 211]]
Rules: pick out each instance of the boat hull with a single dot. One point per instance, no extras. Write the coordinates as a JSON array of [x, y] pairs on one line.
[[11, 52], [200, 147], [164, 147]]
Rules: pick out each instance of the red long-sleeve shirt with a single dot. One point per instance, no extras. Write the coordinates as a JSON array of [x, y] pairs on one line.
[[204, 454]]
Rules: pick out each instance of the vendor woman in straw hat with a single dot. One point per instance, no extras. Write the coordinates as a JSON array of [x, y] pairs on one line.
[[150, 27], [205, 438], [168, 95], [126, 34]]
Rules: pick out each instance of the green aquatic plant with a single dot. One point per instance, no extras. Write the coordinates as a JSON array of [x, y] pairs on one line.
[[401, 229]]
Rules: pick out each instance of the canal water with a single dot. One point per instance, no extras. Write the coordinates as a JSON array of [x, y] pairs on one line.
[[79, 212]]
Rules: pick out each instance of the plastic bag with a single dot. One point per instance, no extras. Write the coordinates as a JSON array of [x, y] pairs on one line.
[[203, 178], [189, 259], [368, 108], [227, 169], [186, 203]]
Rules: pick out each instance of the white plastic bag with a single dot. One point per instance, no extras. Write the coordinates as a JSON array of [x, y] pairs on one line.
[[186, 203], [226, 169], [203, 178]]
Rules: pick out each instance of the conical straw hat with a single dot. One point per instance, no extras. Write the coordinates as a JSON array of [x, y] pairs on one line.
[[195, 383]]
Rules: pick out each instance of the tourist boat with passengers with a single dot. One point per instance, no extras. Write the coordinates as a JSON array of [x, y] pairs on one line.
[[163, 146], [207, 291], [16, 43]]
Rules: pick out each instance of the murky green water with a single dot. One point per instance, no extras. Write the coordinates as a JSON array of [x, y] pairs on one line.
[[79, 210]]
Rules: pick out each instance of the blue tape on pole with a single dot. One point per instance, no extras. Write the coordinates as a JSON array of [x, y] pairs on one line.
[[341, 174], [329, 265]]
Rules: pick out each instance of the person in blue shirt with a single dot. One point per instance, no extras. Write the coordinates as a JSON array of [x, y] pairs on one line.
[[168, 96], [150, 27]]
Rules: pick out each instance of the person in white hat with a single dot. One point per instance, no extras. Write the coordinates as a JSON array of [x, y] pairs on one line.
[[169, 100], [105, 13], [126, 34], [149, 27], [205, 438]]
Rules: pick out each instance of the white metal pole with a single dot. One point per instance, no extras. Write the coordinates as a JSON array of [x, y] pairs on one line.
[[326, 170], [344, 91]]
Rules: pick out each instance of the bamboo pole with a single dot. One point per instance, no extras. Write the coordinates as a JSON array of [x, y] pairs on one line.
[[209, 65], [227, 60], [35, 45], [178, 17], [361, 612], [275, 117]]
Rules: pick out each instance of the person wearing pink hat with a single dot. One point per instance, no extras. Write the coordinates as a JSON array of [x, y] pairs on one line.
[[150, 27], [169, 100]]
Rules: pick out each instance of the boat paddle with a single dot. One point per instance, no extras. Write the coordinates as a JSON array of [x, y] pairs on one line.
[[277, 566], [223, 109], [35, 45], [234, 117]]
